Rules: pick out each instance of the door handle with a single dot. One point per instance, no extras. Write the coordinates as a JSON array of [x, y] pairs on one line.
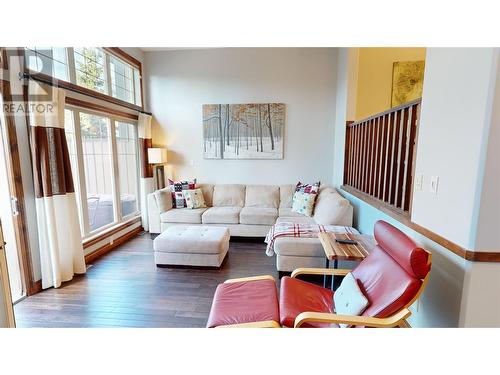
[[14, 206]]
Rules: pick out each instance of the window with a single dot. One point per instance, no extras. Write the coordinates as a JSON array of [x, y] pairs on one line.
[[104, 160], [126, 146], [48, 60], [92, 68]]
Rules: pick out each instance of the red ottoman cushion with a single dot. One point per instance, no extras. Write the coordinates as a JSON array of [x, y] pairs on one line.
[[244, 302], [299, 296]]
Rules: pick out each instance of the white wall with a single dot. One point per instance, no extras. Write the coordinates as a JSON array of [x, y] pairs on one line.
[[454, 122], [487, 237], [180, 82]]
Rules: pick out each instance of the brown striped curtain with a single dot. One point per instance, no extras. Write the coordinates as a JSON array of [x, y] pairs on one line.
[[145, 142], [59, 235]]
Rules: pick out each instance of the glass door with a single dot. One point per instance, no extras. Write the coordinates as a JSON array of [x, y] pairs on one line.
[[8, 213]]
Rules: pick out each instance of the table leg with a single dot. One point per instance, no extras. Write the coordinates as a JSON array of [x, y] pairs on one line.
[[335, 265], [325, 277]]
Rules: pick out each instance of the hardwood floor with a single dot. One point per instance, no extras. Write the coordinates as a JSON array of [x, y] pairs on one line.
[[124, 288]]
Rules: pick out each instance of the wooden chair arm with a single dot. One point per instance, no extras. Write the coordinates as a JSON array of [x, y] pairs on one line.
[[262, 324], [320, 271], [252, 278], [391, 321]]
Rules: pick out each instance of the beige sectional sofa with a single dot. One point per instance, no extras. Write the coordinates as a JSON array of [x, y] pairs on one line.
[[250, 211]]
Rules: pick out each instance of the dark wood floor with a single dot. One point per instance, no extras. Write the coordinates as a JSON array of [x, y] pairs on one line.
[[125, 289]]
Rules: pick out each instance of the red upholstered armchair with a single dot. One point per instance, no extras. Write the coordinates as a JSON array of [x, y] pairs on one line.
[[392, 277]]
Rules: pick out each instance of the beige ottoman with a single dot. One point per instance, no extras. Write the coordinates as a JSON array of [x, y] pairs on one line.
[[185, 245]]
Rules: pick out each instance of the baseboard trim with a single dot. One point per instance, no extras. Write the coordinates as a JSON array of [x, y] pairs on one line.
[[110, 246]]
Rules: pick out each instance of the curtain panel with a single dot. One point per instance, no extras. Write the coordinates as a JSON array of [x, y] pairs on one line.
[[59, 235], [146, 184]]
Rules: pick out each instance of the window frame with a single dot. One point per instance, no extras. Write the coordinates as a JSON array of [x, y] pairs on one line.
[[71, 84], [82, 189]]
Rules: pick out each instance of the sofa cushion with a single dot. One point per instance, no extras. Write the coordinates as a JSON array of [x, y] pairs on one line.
[[258, 215], [229, 195], [286, 195], [287, 212], [330, 207], [163, 199], [299, 219], [262, 196], [183, 215], [208, 193], [301, 247], [221, 215]]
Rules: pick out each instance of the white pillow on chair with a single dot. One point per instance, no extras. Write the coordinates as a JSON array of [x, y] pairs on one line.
[[349, 299]]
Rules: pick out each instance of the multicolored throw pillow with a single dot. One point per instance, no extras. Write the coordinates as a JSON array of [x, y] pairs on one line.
[[176, 188], [194, 198], [308, 188], [303, 203]]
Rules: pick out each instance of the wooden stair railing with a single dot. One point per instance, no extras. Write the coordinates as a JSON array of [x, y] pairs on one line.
[[380, 154]]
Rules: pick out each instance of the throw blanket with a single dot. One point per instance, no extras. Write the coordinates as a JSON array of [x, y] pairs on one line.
[[289, 229]]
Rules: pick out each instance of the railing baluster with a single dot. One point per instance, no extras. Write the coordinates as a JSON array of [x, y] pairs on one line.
[[390, 147], [411, 156], [347, 150], [380, 128]]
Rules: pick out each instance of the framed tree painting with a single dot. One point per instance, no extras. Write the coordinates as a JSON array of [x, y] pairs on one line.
[[243, 131], [407, 81]]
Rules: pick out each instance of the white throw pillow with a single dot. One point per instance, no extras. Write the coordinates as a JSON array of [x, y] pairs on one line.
[[349, 299]]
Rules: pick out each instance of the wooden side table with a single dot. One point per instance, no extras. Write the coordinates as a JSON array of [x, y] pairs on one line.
[[335, 251]]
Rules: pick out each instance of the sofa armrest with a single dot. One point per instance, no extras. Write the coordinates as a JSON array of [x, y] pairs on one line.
[[333, 209], [153, 214]]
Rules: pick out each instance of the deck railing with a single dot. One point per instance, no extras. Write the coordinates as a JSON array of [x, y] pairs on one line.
[[380, 153]]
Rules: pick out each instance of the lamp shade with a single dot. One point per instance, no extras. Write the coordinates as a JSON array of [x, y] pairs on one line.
[[157, 155]]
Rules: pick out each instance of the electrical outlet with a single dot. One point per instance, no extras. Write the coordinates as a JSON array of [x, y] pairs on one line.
[[419, 182], [434, 184]]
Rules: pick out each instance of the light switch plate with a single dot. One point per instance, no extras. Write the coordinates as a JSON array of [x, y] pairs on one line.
[[419, 182], [434, 184]]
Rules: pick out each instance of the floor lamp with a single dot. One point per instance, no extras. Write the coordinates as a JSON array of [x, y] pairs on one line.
[[158, 157]]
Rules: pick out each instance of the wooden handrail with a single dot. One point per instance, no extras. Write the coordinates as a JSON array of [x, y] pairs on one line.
[[380, 114], [380, 154]]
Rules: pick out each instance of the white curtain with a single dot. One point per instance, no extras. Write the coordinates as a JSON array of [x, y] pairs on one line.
[[146, 168], [60, 241]]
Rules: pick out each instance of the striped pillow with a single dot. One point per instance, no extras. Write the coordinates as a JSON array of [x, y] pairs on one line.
[[176, 188]]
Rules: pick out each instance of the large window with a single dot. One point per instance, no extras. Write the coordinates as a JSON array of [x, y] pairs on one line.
[[93, 68], [104, 160]]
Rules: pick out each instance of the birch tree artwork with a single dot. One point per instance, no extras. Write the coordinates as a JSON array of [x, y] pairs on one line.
[[243, 131]]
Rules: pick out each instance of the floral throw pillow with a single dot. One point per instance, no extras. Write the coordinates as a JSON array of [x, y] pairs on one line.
[[194, 198], [303, 203], [176, 188]]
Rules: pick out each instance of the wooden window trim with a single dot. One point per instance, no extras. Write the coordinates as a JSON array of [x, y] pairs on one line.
[[44, 78], [110, 246], [99, 108], [404, 218], [3, 55], [109, 232]]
